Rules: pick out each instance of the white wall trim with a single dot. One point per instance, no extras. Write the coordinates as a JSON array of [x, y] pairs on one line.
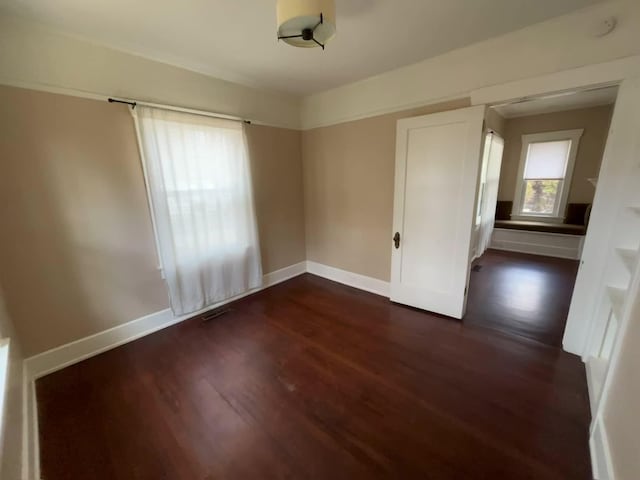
[[385, 111], [284, 274], [538, 243], [362, 282], [601, 461], [598, 74], [65, 355]]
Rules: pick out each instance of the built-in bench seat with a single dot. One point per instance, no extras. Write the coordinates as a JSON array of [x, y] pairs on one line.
[[541, 227], [541, 238]]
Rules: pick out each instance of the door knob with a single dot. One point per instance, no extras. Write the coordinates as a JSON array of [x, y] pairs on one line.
[[396, 239]]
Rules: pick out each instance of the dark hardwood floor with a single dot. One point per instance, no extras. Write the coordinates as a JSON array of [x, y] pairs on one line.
[[523, 295], [314, 380]]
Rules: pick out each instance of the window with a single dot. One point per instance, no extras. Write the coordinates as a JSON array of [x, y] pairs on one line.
[[206, 180], [198, 178], [544, 175]]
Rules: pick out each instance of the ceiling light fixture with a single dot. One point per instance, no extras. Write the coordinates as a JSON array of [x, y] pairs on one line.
[[306, 23]]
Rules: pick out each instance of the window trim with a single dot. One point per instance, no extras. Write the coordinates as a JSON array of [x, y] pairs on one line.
[[5, 359], [527, 139], [484, 169]]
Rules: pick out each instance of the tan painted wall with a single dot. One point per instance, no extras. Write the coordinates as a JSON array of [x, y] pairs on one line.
[[276, 162], [11, 434], [77, 254], [595, 122], [621, 418], [348, 188]]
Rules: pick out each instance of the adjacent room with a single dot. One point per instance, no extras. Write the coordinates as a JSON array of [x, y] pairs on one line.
[[319, 239], [538, 180]]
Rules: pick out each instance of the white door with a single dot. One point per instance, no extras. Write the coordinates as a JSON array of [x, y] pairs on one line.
[[437, 165]]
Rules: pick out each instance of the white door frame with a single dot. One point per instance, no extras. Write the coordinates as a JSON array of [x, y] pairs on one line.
[[608, 73], [587, 297]]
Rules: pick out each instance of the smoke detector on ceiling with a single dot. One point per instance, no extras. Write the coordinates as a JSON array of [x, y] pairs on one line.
[[603, 27]]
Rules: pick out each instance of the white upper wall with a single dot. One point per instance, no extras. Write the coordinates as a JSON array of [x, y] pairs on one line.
[[559, 44], [32, 56], [35, 57]]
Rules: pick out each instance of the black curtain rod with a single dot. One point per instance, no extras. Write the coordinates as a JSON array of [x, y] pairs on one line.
[[115, 100], [133, 106]]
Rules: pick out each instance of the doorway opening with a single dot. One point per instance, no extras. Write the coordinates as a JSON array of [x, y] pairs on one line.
[[537, 183]]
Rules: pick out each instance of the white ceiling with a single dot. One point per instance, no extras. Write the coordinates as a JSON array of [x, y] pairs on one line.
[[559, 102], [236, 39]]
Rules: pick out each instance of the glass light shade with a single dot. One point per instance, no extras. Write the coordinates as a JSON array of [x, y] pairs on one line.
[[296, 15]]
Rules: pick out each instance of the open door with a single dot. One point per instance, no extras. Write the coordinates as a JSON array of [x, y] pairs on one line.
[[437, 166]]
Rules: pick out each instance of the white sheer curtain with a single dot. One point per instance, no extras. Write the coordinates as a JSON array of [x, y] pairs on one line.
[[199, 184], [494, 146]]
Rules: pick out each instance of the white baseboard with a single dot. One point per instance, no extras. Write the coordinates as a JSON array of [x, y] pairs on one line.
[[60, 357], [74, 352], [284, 274], [362, 282], [538, 243], [601, 462]]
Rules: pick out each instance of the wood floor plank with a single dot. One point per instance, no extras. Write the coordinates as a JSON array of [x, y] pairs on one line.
[[522, 294], [312, 379]]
